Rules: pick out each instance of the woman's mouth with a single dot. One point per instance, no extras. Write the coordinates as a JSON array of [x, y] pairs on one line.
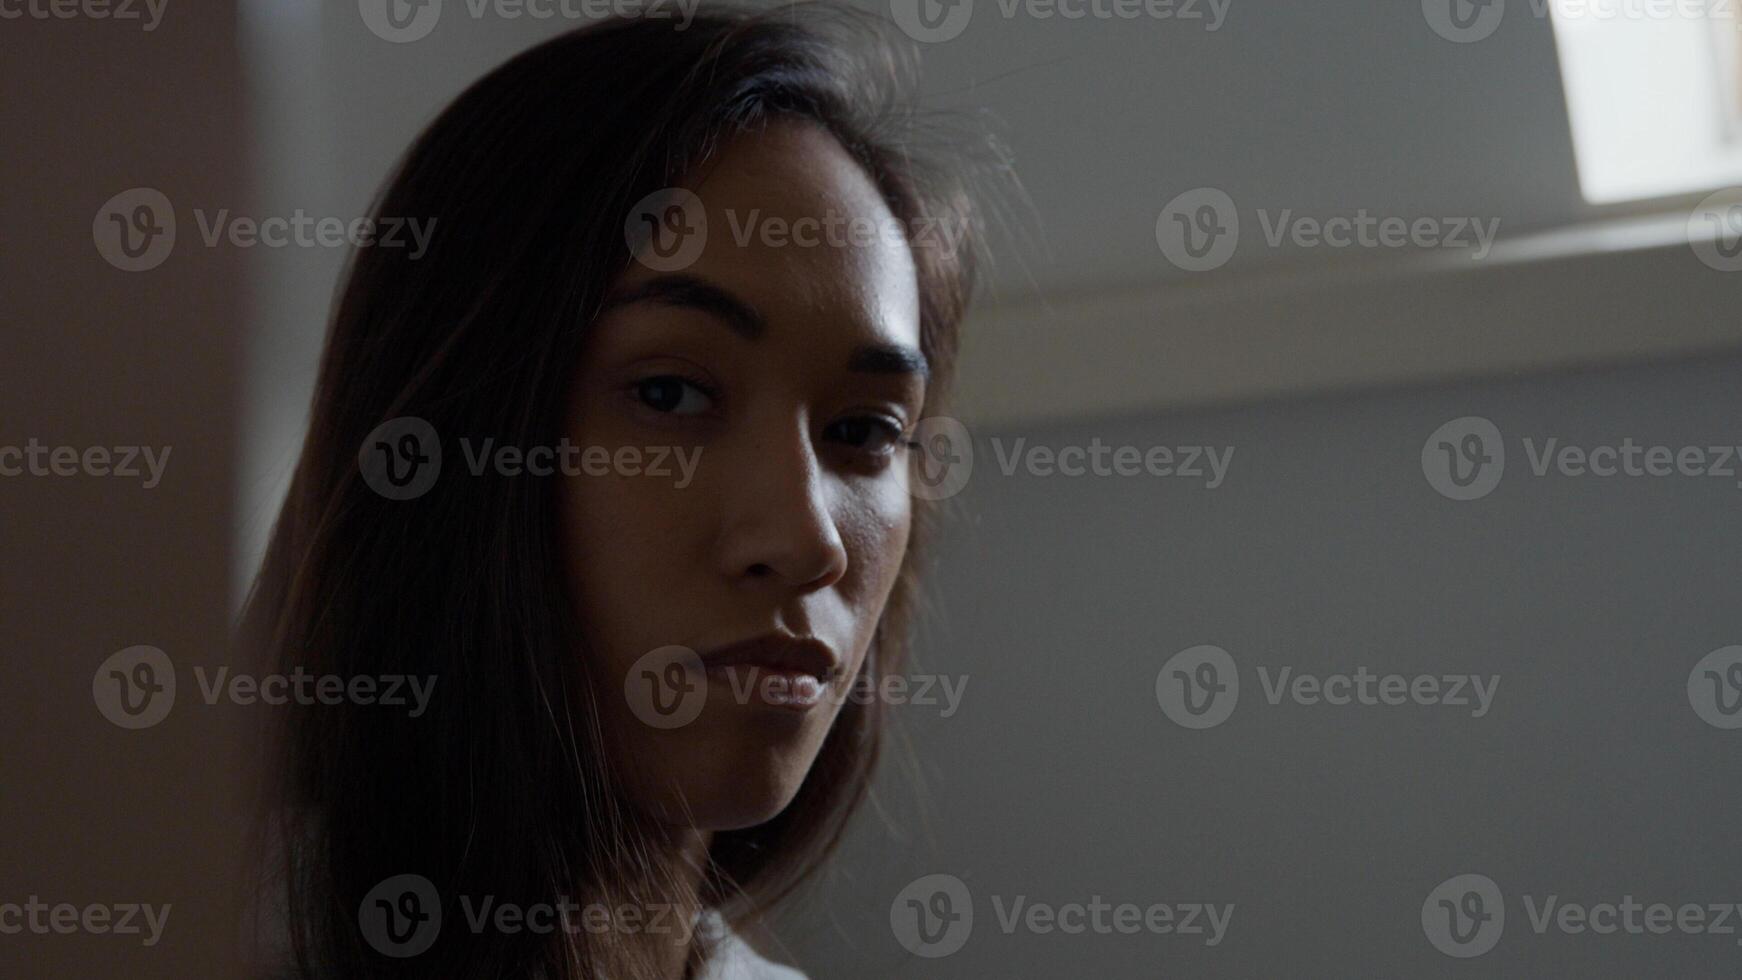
[[776, 670], [786, 689]]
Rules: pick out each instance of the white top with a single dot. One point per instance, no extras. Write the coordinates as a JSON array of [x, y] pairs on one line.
[[735, 959]]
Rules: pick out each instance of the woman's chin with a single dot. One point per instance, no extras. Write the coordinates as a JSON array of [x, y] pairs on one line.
[[722, 793], [730, 768], [724, 808], [745, 812]]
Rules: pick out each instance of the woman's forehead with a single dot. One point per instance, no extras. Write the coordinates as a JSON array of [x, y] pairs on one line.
[[796, 228]]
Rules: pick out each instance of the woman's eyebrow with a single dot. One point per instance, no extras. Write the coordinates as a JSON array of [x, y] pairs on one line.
[[674, 289], [889, 359], [677, 289]]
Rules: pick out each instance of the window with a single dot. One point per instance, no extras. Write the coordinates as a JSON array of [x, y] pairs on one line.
[[1654, 93]]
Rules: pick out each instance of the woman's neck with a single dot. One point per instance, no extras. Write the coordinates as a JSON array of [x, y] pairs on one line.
[[690, 849]]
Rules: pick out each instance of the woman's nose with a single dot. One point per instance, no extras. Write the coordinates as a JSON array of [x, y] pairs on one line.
[[778, 522]]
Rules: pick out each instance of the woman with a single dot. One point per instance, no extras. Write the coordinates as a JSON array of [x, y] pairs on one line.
[[616, 472]]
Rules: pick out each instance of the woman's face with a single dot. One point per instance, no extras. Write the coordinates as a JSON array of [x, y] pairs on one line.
[[766, 390]]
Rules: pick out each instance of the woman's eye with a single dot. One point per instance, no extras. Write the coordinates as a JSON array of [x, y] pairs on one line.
[[673, 395], [868, 433]]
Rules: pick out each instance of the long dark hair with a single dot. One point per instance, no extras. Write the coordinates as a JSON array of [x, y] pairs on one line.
[[502, 787]]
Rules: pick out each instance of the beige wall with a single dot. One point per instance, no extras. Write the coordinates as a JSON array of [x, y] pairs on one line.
[[91, 813]]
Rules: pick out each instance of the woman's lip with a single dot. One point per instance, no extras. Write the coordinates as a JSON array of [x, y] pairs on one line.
[[778, 653], [787, 690]]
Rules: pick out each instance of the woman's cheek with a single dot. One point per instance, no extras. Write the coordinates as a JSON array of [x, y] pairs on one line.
[[878, 532]]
